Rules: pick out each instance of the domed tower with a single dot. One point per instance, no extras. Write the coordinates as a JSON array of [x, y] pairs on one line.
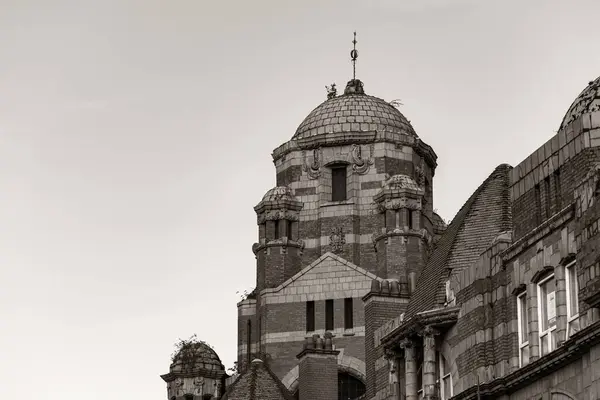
[[355, 189], [196, 373]]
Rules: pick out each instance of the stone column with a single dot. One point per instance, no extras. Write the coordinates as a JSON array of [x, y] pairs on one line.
[[410, 369], [430, 391], [392, 359]]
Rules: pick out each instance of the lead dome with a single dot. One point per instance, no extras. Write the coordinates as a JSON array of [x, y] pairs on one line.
[[588, 101], [354, 111], [196, 355]]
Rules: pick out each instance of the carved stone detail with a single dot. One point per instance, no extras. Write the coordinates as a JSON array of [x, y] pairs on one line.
[[337, 239], [360, 165], [314, 169], [274, 215], [420, 173], [199, 385]]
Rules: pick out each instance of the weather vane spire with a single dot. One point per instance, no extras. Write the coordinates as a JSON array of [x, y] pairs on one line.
[[354, 56]]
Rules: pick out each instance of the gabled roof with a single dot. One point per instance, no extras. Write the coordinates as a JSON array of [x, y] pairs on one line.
[[484, 216], [315, 264], [258, 382]]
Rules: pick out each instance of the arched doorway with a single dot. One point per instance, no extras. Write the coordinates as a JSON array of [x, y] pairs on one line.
[[349, 387]]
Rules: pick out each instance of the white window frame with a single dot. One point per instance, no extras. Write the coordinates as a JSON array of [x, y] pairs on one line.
[[523, 339], [572, 286], [548, 333], [443, 375]]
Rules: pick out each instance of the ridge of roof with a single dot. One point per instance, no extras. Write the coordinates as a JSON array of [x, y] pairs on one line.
[[248, 387], [482, 217]]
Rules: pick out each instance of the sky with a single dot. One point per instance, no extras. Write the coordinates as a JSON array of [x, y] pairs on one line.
[[136, 137]]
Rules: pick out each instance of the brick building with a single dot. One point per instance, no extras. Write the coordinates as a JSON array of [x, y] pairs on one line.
[[362, 290]]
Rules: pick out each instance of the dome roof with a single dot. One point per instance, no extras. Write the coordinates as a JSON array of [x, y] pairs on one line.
[[353, 111], [587, 101], [196, 355], [279, 193]]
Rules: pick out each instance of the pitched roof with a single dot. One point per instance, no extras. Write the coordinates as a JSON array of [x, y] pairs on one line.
[[258, 382], [484, 216]]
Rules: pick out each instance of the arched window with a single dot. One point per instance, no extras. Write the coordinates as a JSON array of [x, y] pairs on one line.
[[349, 387]]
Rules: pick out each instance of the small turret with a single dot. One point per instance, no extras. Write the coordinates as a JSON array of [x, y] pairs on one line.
[[279, 249]]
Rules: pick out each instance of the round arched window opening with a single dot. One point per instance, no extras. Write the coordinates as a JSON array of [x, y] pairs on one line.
[[349, 387]]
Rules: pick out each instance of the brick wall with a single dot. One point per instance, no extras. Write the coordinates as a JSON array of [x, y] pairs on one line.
[[378, 311]]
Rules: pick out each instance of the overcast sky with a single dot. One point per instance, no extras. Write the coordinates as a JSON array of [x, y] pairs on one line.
[[135, 138]]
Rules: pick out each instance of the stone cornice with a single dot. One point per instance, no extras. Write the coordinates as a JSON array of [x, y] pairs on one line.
[[571, 349], [440, 319], [338, 139], [206, 373], [548, 226], [283, 242]]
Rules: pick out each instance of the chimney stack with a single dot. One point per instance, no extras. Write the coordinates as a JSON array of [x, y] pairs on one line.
[[318, 369]]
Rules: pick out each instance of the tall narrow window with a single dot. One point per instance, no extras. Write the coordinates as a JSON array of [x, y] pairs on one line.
[[338, 183], [310, 316], [397, 219], [538, 204], [547, 314], [523, 329], [557, 196], [446, 378], [289, 230], [547, 197], [276, 229], [328, 315], [348, 317], [410, 218], [572, 299]]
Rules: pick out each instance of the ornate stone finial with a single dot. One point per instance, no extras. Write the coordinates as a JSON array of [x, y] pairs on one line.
[[354, 57], [331, 91], [355, 86]]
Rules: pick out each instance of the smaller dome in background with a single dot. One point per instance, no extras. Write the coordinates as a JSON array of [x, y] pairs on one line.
[[588, 101], [279, 193], [439, 225], [196, 355]]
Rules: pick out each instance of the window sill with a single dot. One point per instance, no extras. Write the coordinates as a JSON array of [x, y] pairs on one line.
[[348, 332]]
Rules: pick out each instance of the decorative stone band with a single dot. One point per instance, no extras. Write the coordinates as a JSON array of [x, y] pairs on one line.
[[399, 203], [275, 215], [421, 233], [283, 204], [283, 242], [368, 136], [300, 336]]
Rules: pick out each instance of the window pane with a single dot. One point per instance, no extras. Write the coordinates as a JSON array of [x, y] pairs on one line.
[[548, 303], [329, 315], [573, 291], [348, 317], [522, 301], [447, 387], [310, 316], [338, 184], [573, 326], [524, 356], [544, 340]]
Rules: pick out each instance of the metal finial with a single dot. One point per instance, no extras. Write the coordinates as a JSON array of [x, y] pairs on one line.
[[354, 56]]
